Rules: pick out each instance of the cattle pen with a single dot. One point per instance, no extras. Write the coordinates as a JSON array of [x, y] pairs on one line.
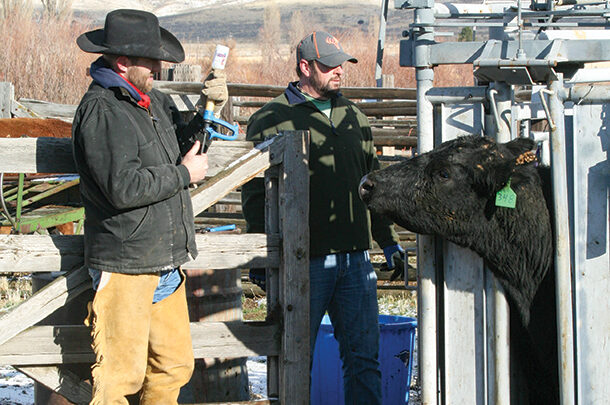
[[535, 77], [43, 352]]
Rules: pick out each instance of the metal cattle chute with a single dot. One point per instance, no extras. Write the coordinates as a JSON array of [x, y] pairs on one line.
[[537, 74]]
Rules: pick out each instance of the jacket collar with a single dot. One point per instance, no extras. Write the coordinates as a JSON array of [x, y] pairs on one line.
[[295, 96], [101, 72]]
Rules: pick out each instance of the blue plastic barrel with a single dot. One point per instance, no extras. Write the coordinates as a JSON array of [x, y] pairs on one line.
[[397, 338]]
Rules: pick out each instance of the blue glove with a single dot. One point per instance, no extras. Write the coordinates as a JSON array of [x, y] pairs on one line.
[[259, 277], [394, 256], [395, 260]]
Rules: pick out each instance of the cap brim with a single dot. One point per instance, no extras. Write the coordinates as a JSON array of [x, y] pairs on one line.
[[336, 59]]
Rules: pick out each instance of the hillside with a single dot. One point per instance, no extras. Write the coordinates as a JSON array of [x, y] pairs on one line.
[[241, 20]]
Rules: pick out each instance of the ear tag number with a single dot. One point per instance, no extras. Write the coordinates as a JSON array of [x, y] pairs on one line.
[[506, 197]]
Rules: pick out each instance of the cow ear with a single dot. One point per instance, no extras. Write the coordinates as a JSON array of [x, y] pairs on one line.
[[520, 146], [501, 162]]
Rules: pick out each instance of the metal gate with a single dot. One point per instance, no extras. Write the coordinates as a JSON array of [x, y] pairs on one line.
[[531, 70]]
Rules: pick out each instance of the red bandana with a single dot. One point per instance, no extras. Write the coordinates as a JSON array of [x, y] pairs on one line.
[[144, 98]]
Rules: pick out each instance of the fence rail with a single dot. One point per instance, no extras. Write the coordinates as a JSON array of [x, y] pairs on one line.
[[40, 351]]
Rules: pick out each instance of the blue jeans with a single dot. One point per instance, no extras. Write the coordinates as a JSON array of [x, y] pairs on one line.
[[345, 285], [169, 281]]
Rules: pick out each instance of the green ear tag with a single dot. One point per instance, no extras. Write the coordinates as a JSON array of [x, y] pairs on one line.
[[506, 197]]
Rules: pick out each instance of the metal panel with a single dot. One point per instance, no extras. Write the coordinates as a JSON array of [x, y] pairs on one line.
[[591, 251], [464, 289], [504, 52]]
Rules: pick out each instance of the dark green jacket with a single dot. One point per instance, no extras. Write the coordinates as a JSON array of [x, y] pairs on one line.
[[138, 213], [341, 153]]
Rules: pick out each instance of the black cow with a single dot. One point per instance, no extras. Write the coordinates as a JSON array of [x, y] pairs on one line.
[[453, 191]]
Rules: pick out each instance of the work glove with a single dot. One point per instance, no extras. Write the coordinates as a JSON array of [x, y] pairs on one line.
[[395, 260], [215, 89], [258, 277]]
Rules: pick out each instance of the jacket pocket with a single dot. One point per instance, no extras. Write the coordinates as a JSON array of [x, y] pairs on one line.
[[149, 154], [139, 224]]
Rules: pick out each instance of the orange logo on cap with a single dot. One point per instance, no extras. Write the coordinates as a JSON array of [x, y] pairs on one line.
[[333, 41]]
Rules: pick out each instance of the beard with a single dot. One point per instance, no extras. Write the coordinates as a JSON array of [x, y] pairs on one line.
[[326, 90], [139, 79]]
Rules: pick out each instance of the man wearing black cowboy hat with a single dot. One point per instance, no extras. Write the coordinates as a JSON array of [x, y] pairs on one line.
[[136, 160]]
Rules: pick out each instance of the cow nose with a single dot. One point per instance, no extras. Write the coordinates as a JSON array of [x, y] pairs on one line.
[[365, 188]]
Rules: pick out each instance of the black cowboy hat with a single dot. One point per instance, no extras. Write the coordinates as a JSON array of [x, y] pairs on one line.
[[133, 33]]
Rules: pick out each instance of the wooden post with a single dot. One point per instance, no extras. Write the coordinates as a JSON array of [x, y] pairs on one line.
[[294, 270], [272, 226], [186, 73], [7, 94], [387, 81]]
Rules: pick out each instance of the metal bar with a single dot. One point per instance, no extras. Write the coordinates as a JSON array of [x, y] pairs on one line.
[[19, 198], [381, 43], [50, 192], [592, 50], [562, 246], [426, 278], [457, 95], [501, 10], [586, 94], [525, 24], [501, 312]]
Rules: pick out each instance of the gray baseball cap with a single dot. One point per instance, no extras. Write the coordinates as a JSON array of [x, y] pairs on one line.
[[324, 48]]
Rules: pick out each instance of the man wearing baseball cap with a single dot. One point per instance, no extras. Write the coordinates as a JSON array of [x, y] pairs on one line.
[[342, 280], [136, 159]]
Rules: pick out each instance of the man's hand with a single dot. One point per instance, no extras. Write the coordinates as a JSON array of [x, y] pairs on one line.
[[215, 89], [395, 260], [197, 165], [394, 256], [259, 277]]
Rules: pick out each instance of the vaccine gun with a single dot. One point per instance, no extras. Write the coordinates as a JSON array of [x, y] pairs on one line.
[[211, 123]]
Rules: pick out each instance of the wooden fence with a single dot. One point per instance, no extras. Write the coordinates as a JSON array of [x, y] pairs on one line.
[[40, 351], [391, 111]]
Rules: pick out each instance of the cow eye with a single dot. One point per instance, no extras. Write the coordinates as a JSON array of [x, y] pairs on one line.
[[443, 174]]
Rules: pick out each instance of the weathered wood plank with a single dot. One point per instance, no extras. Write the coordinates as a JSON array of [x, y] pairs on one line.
[[49, 110], [36, 155], [387, 137], [49, 345], [235, 174], [53, 296], [186, 96], [262, 90], [257, 402], [294, 221], [21, 111], [61, 381], [54, 155], [36, 253], [272, 226], [7, 95]]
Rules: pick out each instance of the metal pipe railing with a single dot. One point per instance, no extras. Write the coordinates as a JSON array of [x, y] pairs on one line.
[[563, 272]]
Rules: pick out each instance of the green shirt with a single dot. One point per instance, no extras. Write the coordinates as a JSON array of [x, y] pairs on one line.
[[325, 106], [341, 153]]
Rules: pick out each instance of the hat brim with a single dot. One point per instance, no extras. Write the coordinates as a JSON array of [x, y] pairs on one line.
[[336, 59], [170, 50]]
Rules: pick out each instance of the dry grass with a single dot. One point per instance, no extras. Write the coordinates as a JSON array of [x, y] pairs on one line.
[[14, 289], [40, 56]]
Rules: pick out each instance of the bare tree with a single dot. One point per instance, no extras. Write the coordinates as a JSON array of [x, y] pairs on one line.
[[60, 9], [14, 7]]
